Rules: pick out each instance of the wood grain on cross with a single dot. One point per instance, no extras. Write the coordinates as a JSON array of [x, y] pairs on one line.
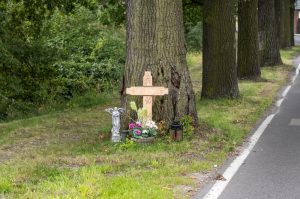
[[147, 91]]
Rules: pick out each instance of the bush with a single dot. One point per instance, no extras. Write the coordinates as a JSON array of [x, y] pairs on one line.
[[194, 37], [74, 53], [92, 54]]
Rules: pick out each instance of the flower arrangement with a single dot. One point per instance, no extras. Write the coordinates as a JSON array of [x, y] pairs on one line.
[[142, 128]]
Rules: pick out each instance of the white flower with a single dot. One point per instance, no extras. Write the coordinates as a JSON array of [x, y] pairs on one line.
[[151, 124]]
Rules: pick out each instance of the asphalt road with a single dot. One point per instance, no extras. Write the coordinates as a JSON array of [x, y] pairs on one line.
[[297, 39], [272, 170]]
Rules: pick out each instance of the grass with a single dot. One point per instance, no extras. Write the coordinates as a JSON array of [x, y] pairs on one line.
[[67, 154]]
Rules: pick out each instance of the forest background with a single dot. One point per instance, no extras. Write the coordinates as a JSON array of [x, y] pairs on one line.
[[54, 51]]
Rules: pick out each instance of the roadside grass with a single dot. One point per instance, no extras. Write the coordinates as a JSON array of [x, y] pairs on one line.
[[68, 154], [288, 53]]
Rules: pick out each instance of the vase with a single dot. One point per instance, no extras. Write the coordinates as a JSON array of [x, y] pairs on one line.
[[144, 140]]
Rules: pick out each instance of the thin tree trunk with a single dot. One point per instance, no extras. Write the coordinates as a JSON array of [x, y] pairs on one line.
[[283, 18], [292, 22], [287, 23], [156, 43], [219, 52], [279, 13], [248, 50], [268, 40]]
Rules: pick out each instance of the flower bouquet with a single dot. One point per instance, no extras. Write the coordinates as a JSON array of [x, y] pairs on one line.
[[142, 130]]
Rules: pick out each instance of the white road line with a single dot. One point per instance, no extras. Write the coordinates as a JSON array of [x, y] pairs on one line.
[[279, 102], [285, 92], [297, 73], [219, 186]]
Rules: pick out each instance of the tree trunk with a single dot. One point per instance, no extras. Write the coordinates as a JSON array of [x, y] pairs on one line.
[[219, 52], [156, 43], [292, 22], [248, 50], [279, 13], [283, 18], [268, 40]]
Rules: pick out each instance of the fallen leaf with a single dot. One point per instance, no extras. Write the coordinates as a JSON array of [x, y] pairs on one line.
[[220, 177]]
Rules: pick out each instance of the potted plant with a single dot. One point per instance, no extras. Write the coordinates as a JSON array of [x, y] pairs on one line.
[[142, 130]]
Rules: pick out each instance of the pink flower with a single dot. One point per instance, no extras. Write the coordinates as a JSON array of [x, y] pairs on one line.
[[131, 125], [138, 132], [139, 124]]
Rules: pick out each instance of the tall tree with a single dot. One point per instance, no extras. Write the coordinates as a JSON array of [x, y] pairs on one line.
[[292, 21], [283, 18], [268, 40], [248, 54], [155, 42], [219, 51]]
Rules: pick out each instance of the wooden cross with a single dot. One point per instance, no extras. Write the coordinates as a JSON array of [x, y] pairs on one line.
[[147, 91]]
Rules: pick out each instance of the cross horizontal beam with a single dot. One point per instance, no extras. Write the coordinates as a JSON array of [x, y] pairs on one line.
[[147, 91]]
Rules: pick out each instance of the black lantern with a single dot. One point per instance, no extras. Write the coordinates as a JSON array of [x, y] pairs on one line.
[[176, 131], [124, 134]]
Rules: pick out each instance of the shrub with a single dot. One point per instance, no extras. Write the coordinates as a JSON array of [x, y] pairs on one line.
[[194, 37], [73, 53]]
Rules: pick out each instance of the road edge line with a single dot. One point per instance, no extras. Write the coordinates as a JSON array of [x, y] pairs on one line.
[[219, 186]]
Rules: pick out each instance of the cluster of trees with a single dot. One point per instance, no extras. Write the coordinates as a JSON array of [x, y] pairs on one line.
[[156, 42], [51, 51]]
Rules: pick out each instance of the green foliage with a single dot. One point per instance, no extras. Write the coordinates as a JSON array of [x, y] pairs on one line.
[[187, 123], [140, 112], [94, 52], [128, 144], [113, 12], [42, 172], [54, 50], [69, 52], [192, 16], [194, 37], [163, 129], [5, 186]]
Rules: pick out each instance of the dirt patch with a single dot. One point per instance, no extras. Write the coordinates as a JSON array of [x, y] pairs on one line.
[[5, 156]]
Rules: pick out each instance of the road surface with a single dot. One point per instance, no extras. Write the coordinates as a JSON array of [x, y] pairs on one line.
[[272, 169], [297, 39]]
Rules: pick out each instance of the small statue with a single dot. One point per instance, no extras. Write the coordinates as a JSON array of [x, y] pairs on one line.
[[115, 131]]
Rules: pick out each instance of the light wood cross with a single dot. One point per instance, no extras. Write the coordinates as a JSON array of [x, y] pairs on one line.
[[147, 91]]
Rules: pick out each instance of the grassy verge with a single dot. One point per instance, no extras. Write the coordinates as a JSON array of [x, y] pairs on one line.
[[67, 154]]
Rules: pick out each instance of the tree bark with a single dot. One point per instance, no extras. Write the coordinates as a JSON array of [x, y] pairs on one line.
[[292, 23], [156, 43], [219, 51], [268, 40], [283, 18], [248, 50]]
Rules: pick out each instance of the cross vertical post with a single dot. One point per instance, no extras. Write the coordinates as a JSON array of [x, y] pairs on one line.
[[147, 100]]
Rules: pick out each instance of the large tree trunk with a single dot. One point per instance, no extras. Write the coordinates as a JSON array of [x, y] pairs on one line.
[[283, 18], [219, 52], [156, 43], [268, 40], [248, 50]]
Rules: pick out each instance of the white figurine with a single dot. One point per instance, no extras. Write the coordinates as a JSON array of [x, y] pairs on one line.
[[115, 115]]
